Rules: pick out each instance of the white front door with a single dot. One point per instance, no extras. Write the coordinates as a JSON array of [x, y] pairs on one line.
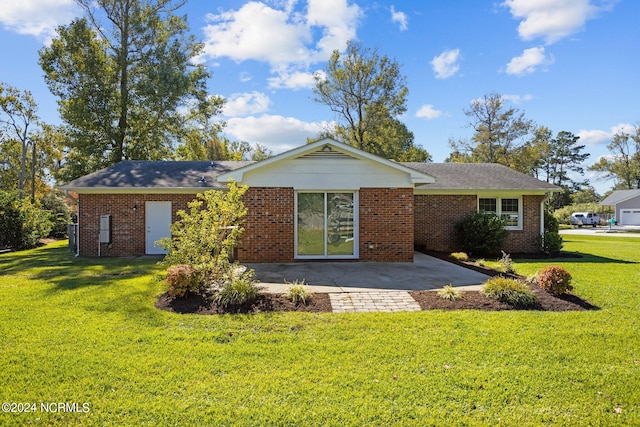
[[158, 224]]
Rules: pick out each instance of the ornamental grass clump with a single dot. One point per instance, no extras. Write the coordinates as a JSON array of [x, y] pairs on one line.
[[554, 279], [509, 291], [507, 263], [239, 289], [298, 293], [450, 293], [459, 256]]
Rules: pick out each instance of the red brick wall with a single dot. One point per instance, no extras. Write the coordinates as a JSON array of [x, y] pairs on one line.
[[269, 226], [436, 215], [523, 241], [127, 223], [386, 224]]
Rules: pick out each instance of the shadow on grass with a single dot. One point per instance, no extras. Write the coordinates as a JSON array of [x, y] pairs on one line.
[[56, 265], [573, 257]]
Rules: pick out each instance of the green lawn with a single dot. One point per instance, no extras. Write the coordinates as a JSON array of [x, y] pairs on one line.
[[86, 332]]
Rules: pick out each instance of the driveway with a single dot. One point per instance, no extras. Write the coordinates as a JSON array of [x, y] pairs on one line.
[[616, 230], [425, 273]]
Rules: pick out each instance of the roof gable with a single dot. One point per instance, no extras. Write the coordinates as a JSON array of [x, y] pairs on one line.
[[331, 153]]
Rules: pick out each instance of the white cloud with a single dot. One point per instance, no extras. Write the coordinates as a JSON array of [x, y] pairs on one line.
[[517, 99], [529, 61], [428, 112], [37, 18], [593, 137], [400, 18], [596, 137], [552, 20], [278, 133], [291, 79], [243, 104], [281, 37], [446, 65], [625, 128]]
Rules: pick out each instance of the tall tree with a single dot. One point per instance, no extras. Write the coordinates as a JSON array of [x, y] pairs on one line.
[[126, 82], [368, 94], [623, 166], [498, 132], [18, 124]]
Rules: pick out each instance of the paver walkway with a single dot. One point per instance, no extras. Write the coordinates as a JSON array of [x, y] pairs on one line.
[[364, 302]]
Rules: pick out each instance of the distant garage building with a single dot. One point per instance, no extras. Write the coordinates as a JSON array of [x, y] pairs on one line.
[[626, 204]]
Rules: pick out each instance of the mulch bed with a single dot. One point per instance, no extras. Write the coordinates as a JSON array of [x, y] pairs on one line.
[[428, 300], [199, 304]]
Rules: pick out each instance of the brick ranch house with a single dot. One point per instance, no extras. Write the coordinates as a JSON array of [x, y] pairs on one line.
[[324, 200]]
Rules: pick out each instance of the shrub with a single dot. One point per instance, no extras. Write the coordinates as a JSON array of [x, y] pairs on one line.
[[298, 293], [481, 233], [459, 256], [450, 293], [60, 212], [22, 223], [551, 223], [554, 279], [507, 263], [509, 291], [238, 290], [182, 279], [550, 243]]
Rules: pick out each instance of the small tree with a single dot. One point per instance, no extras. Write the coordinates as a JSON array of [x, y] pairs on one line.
[[205, 236]]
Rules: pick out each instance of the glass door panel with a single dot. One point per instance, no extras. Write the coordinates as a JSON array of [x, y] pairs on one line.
[[311, 224], [339, 233]]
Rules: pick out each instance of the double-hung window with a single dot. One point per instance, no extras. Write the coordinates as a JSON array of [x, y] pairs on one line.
[[508, 208]]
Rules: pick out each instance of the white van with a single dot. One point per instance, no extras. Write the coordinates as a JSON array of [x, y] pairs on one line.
[[585, 218]]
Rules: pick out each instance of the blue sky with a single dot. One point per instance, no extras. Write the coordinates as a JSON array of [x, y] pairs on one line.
[[570, 65]]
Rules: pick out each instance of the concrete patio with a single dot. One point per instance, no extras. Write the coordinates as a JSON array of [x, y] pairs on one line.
[[425, 273]]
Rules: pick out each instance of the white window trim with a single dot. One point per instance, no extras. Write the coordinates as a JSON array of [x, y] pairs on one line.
[[499, 208], [356, 226]]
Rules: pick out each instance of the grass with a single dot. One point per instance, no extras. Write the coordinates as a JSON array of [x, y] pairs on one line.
[[77, 330]]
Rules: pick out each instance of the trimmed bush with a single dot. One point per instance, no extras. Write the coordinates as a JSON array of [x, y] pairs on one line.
[[550, 243], [450, 293], [509, 291], [481, 233], [298, 293], [182, 279], [459, 256], [554, 279], [238, 290]]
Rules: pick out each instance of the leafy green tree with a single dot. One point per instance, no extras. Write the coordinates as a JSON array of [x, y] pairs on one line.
[[624, 164], [126, 81], [498, 132], [204, 236], [368, 94], [22, 222]]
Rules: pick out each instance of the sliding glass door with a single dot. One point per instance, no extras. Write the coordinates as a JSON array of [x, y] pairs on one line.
[[326, 225]]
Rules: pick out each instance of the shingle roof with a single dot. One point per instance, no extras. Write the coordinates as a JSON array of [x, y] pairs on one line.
[[477, 176], [619, 196], [156, 174], [137, 174]]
